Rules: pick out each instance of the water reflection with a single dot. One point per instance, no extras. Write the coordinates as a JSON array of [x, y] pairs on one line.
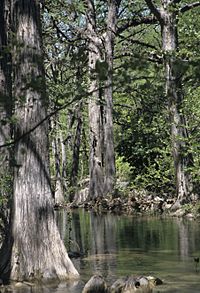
[[117, 246], [122, 245], [65, 287], [94, 237]]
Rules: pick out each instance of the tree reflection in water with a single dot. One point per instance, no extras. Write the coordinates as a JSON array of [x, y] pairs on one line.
[[117, 246]]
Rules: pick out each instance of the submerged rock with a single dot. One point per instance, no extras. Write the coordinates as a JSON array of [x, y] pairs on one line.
[[137, 284], [118, 285], [129, 284], [154, 280], [96, 284]]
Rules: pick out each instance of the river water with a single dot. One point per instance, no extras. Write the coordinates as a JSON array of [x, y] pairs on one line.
[[116, 246]]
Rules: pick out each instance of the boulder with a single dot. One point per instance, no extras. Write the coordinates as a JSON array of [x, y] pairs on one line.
[[118, 285], [132, 284], [96, 284], [129, 284]]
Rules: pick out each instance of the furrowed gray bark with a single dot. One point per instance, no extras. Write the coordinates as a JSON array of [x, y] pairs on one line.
[[167, 16], [175, 98], [6, 173], [6, 170], [37, 250], [109, 156], [102, 157], [95, 110], [76, 147]]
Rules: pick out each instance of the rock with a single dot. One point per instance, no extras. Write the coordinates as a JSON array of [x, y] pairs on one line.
[[158, 199], [20, 285], [96, 284], [167, 206], [118, 285], [132, 284], [179, 213], [154, 280], [138, 284], [190, 216], [158, 281]]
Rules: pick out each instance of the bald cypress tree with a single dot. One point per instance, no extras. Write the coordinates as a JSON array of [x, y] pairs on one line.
[[36, 249], [167, 15], [5, 115]]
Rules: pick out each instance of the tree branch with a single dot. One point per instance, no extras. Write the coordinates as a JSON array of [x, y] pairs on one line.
[[138, 42], [77, 98], [189, 6], [154, 10], [136, 22], [38, 124], [153, 57], [59, 32]]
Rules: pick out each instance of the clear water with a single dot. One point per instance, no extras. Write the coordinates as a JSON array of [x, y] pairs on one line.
[[123, 245], [117, 246]]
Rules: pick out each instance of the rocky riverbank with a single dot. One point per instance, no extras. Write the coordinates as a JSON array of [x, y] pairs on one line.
[[135, 202]]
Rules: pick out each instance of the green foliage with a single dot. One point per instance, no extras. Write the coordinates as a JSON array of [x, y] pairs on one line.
[[189, 52], [192, 110], [141, 122], [191, 208], [123, 169], [5, 187], [142, 126], [158, 176]]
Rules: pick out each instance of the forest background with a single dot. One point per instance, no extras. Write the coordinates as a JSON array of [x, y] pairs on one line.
[[152, 109], [122, 79]]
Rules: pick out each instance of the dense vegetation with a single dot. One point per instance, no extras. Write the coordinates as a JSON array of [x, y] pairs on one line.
[[141, 115]]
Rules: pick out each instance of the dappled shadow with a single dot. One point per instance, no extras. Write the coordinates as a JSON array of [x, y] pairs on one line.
[[31, 148], [39, 154]]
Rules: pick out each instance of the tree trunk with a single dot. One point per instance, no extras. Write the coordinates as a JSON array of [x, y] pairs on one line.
[[59, 191], [108, 96], [6, 177], [38, 251], [175, 98], [63, 164], [102, 158], [6, 174], [76, 147], [96, 147], [95, 111]]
